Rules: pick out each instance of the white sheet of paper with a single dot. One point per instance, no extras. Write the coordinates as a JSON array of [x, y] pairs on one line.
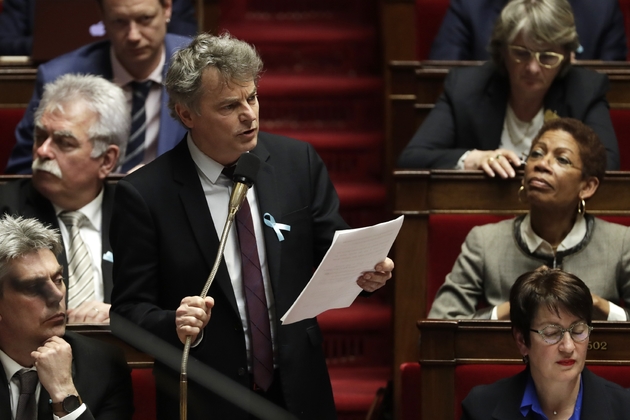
[[334, 284]]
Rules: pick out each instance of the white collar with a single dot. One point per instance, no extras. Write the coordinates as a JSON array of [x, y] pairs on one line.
[[11, 366], [536, 243], [209, 167], [122, 76], [91, 210]]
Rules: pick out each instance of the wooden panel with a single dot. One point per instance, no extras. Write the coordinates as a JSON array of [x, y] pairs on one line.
[[16, 86], [135, 358]]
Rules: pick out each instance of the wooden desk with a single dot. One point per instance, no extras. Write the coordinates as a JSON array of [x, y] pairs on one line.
[[418, 194], [446, 344], [16, 86], [135, 358]]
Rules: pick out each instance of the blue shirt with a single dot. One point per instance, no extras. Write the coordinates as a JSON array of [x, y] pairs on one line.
[[530, 402]]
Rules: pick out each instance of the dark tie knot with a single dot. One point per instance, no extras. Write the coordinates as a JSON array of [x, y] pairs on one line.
[[229, 171], [141, 89], [72, 218], [28, 381]]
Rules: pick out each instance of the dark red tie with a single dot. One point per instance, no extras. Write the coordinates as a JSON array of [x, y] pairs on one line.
[[257, 310]]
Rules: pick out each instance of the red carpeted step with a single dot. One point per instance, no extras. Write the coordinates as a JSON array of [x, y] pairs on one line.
[[349, 156], [362, 204], [274, 85], [354, 389], [302, 10], [321, 103], [359, 335], [312, 48], [362, 316]]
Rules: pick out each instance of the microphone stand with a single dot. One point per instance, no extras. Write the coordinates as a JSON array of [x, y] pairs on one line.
[[236, 198]]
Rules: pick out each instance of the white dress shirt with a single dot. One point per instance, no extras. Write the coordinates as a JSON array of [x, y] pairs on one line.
[[217, 189], [92, 237]]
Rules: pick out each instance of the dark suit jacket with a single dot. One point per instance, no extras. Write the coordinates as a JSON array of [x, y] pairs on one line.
[[18, 17], [471, 111], [468, 24], [601, 399], [165, 244], [90, 59], [101, 376], [21, 198]]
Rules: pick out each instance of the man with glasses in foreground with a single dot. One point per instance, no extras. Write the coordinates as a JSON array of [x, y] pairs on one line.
[[488, 115], [551, 313]]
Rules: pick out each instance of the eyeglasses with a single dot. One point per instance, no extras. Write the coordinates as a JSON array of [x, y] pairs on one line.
[[552, 334], [547, 59], [560, 161]]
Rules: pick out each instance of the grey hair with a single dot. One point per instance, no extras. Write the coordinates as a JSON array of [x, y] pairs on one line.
[[541, 21], [20, 236], [104, 98], [235, 60]]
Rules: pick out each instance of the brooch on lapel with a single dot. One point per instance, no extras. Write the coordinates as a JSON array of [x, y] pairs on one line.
[[277, 227], [550, 115]]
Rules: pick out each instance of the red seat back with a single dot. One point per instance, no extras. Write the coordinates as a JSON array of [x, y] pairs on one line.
[[621, 123], [447, 233], [429, 15], [9, 119], [143, 394], [410, 391], [625, 9]]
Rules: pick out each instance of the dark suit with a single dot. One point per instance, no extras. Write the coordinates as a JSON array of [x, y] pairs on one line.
[[90, 59], [18, 17], [501, 400], [468, 24], [101, 376], [21, 198], [165, 244], [471, 111]]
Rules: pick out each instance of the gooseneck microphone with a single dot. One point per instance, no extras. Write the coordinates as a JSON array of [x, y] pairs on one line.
[[244, 177]]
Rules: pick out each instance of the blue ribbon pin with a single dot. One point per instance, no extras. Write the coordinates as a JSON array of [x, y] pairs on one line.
[[277, 227]]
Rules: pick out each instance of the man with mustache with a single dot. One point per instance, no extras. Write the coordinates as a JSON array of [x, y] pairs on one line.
[[135, 57], [47, 372], [81, 127]]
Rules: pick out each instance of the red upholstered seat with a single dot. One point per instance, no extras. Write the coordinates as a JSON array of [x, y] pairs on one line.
[[621, 123], [410, 392], [9, 119], [143, 394], [447, 233], [429, 15]]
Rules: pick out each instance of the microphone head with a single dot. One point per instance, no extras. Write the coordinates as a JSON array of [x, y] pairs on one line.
[[246, 169]]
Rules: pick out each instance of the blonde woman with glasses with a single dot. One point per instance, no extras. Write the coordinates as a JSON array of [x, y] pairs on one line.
[[488, 115]]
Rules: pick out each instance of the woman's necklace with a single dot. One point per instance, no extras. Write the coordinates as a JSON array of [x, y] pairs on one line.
[[512, 125]]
